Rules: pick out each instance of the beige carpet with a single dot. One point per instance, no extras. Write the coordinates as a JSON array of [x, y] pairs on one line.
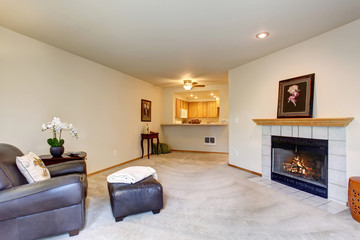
[[206, 199]]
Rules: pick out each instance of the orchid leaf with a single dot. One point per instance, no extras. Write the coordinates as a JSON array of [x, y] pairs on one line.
[[53, 142]]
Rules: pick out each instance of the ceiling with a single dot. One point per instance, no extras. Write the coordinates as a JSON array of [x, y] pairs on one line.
[[167, 41]]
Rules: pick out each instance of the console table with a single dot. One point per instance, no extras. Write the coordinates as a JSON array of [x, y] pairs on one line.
[[149, 136], [49, 159]]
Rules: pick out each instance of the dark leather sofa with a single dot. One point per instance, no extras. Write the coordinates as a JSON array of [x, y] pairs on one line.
[[46, 208]]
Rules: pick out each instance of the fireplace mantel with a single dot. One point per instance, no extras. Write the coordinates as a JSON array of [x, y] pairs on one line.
[[325, 122]]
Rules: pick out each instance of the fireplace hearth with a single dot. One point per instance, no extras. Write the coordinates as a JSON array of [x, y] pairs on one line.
[[301, 163]]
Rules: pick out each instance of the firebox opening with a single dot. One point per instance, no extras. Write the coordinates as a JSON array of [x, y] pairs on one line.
[[300, 163]]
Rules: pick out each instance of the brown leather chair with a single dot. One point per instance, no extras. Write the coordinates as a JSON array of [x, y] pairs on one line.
[[46, 208]]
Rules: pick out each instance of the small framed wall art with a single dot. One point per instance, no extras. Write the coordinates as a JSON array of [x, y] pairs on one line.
[[296, 97], [145, 110]]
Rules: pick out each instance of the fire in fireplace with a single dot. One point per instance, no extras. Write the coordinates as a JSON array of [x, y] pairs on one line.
[[300, 163], [303, 166]]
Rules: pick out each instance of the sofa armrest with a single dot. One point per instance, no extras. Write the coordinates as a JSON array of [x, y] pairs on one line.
[[69, 167], [41, 196]]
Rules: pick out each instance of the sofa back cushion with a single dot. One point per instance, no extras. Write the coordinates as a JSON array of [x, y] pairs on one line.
[[10, 175], [4, 180]]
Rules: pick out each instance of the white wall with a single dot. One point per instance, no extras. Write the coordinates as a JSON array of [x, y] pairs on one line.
[[192, 138], [334, 57], [38, 82]]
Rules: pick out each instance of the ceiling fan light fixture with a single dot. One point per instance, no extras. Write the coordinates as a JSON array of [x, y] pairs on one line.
[[187, 87], [189, 84]]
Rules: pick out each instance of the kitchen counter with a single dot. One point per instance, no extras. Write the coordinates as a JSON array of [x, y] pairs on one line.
[[191, 137], [187, 124]]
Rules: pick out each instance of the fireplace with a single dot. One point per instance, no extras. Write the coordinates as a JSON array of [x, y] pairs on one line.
[[336, 160], [301, 163]]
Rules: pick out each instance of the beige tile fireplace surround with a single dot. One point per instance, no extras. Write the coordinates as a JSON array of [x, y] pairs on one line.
[[332, 129]]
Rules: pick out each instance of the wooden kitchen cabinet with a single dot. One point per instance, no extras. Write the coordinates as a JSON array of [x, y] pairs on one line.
[[212, 110], [177, 108], [184, 104], [207, 109], [202, 110], [193, 110], [180, 104]]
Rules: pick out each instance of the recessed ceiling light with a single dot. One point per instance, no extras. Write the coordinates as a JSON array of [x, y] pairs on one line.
[[191, 95], [214, 96], [262, 35], [211, 94]]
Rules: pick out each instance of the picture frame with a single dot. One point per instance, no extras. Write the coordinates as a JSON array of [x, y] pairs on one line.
[[145, 110], [295, 98]]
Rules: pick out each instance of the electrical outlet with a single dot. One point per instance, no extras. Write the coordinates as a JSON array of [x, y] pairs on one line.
[[236, 153], [114, 152], [236, 120]]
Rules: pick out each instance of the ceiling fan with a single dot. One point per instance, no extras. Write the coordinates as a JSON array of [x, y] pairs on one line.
[[189, 84]]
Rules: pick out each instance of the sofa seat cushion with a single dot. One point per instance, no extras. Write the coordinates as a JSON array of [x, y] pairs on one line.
[[32, 167], [43, 196]]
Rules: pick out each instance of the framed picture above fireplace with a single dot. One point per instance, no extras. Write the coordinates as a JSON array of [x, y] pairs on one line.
[[296, 97]]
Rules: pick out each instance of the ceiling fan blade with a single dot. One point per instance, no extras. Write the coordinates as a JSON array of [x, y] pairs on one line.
[[198, 85]]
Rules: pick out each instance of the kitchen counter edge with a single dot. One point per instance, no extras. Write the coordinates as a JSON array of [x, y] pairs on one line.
[[186, 124]]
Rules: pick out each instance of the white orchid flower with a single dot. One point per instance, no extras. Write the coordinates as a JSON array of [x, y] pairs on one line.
[[57, 127], [56, 120]]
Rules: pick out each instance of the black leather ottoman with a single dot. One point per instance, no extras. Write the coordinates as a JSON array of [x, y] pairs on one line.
[[127, 199]]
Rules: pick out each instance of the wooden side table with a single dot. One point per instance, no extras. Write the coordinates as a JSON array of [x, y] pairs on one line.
[[149, 136], [354, 197], [49, 159]]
